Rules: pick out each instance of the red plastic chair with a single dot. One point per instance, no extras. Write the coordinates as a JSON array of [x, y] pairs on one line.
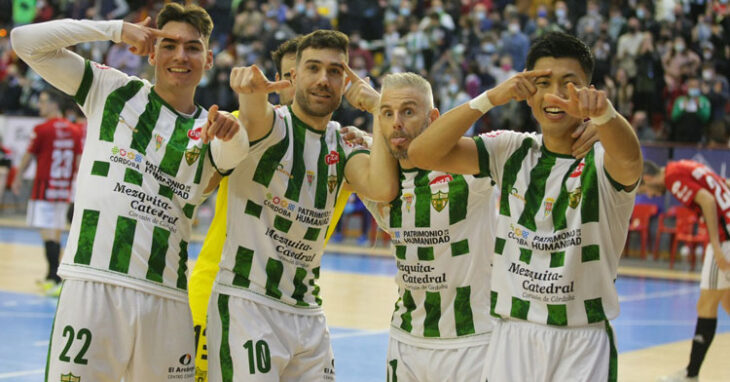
[[663, 228], [640, 218], [691, 231]]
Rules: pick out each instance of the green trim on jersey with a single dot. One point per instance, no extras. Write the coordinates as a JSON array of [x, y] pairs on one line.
[[406, 317], [594, 310], [432, 304], [282, 224], [561, 203], [536, 191], [499, 244], [519, 308], [458, 190], [320, 193], [253, 209], [182, 266], [557, 314], [312, 233], [100, 168], [525, 255], [113, 107], [423, 199], [85, 86], [145, 124], [296, 178], [271, 159], [225, 349], [176, 146], [242, 267], [590, 253], [189, 210], [394, 366], [166, 192], [396, 213], [557, 259], [493, 304], [313, 284], [158, 251], [460, 248], [201, 164], [299, 288], [132, 176], [509, 174], [400, 252], [425, 253], [463, 316], [589, 188], [157, 98], [483, 157], [123, 243], [274, 271], [613, 357], [85, 247]]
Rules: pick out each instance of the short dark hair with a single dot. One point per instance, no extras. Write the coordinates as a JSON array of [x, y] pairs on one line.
[[561, 45], [192, 14], [323, 39], [651, 168], [286, 47]]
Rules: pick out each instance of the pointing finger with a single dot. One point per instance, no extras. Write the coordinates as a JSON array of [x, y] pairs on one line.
[[277, 85], [558, 101], [164, 34], [351, 74]]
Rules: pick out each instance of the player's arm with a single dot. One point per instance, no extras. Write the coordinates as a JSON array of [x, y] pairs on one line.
[[255, 111], [373, 176], [442, 146], [24, 163], [707, 204], [43, 46], [623, 160]]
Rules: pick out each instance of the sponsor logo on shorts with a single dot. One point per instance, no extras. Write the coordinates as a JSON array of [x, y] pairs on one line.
[[184, 370]]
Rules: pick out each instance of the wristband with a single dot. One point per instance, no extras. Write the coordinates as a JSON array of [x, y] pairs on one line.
[[608, 115], [481, 103]]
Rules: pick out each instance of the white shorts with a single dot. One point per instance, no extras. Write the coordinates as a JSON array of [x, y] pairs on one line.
[[712, 276], [407, 363], [47, 215], [248, 341], [524, 351], [104, 333]]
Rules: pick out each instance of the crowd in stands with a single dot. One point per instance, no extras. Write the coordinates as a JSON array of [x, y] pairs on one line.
[[664, 63]]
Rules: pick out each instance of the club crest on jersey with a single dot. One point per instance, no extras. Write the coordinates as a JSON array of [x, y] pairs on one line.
[[280, 168], [192, 154], [195, 133], [516, 194], [408, 198], [331, 182], [332, 158], [310, 177], [70, 378], [574, 197], [578, 170], [158, 141], [439, 200], [548, 206]]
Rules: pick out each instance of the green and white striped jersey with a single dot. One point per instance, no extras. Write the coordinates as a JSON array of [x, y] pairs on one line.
[[142, 173], [561, 227], [442, 240], [280, 201]]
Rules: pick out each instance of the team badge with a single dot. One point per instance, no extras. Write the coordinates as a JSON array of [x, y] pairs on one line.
[[574, 197], [192, 154], [332, 158], [158, 141], [331, 182], [578, 170], [548, 205], [408, 198], [310, 177], [439, 200], [70, 378]]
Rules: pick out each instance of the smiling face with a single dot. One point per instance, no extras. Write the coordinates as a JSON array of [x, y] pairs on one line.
[[179, 64], [564, 71], [319, 81], [403, 115]]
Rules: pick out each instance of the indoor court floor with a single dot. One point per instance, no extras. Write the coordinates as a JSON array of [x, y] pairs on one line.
[[653, 331]]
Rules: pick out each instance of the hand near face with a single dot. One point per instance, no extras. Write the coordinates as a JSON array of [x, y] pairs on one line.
[[220, 124], [141, 38], [581, 102], [360, 94], [250, 80], [519, 87], [354, 135]]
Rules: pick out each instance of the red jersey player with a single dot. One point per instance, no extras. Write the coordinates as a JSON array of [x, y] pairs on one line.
[[698, 187], [56, 146]]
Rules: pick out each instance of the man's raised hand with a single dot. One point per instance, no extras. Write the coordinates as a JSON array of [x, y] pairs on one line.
[[251, 80], [141, 38], [518, 87], [360, 94], [581, 102], [220, 124]]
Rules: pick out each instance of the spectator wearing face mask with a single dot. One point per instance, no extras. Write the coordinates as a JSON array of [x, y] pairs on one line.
[[690, 114], [677, 60], [715, 88], [515, 44], [628, 47], [562, 17]]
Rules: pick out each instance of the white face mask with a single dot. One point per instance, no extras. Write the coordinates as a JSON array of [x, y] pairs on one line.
[[707, 75], [514, 28]]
